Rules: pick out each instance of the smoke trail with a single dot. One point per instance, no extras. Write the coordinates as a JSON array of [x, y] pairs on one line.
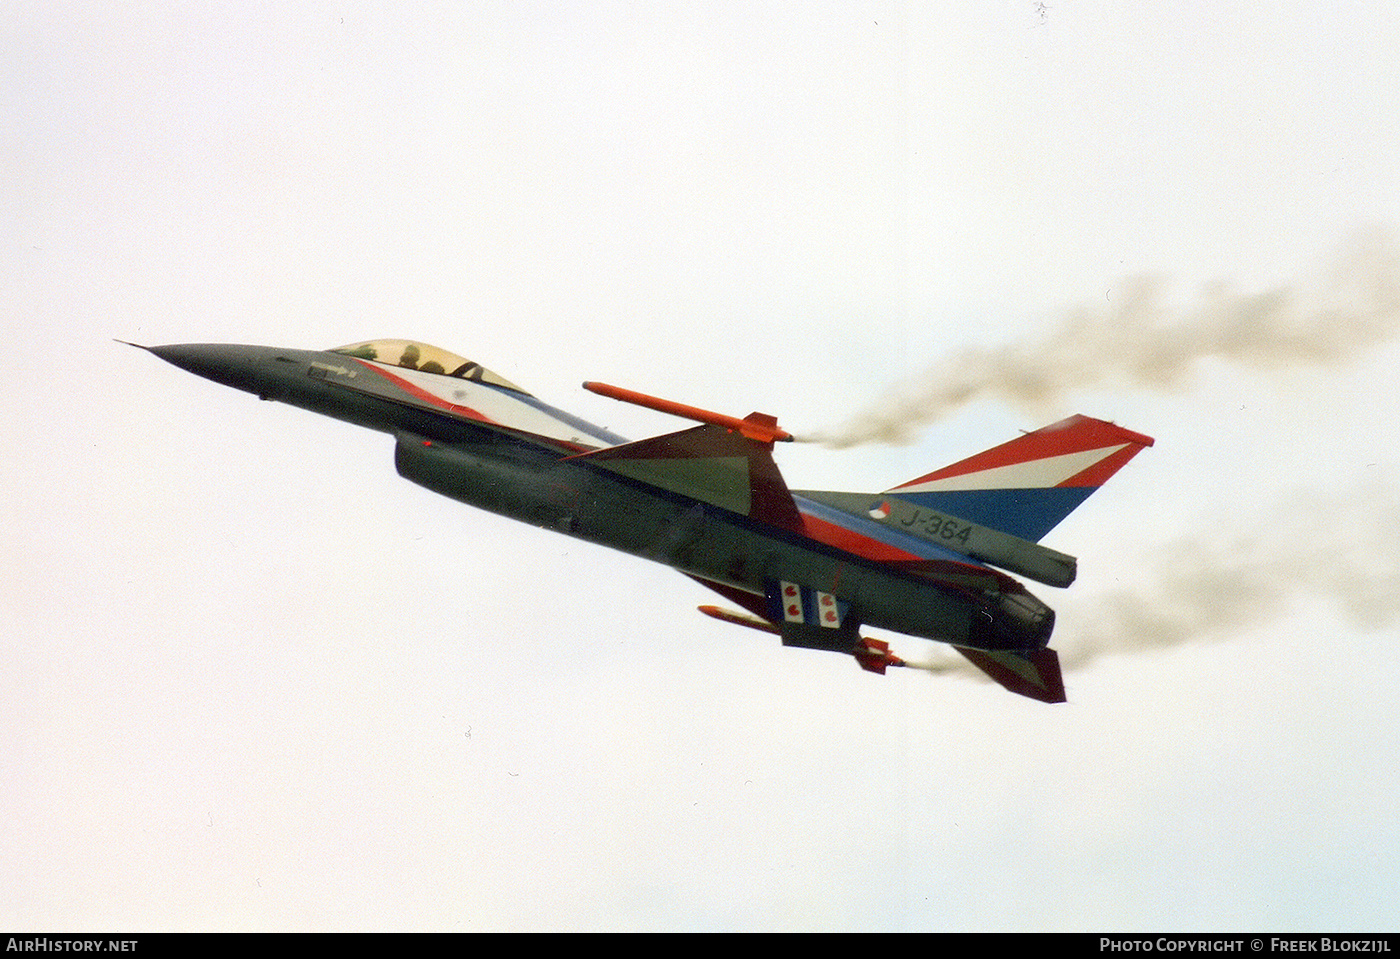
[[1342, 549], [1140, 340], [941, 666]]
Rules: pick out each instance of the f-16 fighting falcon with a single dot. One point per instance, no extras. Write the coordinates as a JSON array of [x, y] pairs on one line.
[[930, 558]]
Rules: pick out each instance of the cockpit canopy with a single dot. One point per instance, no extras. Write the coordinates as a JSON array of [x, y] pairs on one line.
[[426, 359]]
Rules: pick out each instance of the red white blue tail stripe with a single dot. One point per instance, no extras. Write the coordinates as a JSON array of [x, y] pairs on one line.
[[1026, 486]]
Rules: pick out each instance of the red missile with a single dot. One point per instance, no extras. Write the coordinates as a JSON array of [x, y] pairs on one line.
[[874, 655], [739, 619], [760, 427]]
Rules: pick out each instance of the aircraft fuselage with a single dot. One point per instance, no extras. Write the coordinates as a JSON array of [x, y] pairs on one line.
[[529, 476]]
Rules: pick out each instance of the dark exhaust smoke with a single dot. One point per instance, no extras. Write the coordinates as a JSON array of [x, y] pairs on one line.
[[1140, 340]]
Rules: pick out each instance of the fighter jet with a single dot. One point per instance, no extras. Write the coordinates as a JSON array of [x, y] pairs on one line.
[[929, 558]]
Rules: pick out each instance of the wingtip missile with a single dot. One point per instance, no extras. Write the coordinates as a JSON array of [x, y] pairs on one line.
[[739, 619], [760, 427]]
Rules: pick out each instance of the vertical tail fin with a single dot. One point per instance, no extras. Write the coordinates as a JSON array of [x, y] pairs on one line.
[[1026, 486]]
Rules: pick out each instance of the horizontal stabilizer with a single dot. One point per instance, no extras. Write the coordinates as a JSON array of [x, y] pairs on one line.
[[1035, 674]]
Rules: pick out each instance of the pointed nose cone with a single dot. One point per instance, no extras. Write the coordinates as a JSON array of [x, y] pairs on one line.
[[242, 367]]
